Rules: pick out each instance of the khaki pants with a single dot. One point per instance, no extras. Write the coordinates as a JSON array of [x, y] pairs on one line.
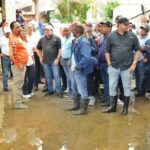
[[17, 83]]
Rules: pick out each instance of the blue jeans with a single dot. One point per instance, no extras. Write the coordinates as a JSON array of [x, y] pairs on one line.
[[53, 71], [105, 78], [139, 75], [114, 75], [81, 82], [74, 85], [146, 81], [6, 63], [68, 73]]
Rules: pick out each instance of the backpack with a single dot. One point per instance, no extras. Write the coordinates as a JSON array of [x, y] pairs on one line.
[[20, 56]]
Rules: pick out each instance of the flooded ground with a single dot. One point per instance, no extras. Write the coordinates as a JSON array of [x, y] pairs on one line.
[[46, 125]]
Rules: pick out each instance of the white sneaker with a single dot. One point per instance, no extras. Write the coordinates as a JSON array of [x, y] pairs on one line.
[[92, 100], [70, 100], [26, 96], [66, 91], [120, 102], [32, 94], [147, 95]]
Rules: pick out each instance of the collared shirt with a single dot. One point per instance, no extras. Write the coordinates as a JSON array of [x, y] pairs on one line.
[[121, 49], [66, 47], [142, 41], [4, 45], [102, 49], [34, 39]]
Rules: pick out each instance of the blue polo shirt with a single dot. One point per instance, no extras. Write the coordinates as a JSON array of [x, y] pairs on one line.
[[66, 47]]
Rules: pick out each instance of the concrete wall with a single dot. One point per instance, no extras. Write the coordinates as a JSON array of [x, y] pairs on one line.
[[8, 10]]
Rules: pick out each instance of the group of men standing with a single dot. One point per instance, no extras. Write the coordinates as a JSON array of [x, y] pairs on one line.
[[117, 56]]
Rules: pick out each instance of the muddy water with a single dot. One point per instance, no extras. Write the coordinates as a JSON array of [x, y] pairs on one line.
[[46, 125]]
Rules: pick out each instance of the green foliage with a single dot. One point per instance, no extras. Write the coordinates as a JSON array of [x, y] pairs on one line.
[[68, 10], [110, 6]]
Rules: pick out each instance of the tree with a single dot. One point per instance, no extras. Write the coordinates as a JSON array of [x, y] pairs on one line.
[[67, 10], [109, 7]]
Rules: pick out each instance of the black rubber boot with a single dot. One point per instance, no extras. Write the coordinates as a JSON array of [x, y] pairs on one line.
[[76, 105], [83, 108], [113, 105], [107, 102], [126, 105]]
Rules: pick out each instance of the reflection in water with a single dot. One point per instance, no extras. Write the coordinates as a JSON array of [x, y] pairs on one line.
[[34, 140], [132, 103], [1, 111], [131, 146], [63, 148], [148, 139], [10, 135], [59, 130]]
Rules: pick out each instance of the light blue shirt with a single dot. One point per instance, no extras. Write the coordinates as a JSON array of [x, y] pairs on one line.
[[142, 41], [66, 47]]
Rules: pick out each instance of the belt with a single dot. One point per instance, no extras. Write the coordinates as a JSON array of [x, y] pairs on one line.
[[5, 55], [65, 59]]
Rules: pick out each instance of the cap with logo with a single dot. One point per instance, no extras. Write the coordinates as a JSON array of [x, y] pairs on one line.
[[145, 28]]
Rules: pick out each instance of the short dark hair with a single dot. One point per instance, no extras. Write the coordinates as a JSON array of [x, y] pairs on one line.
[[79, 29], [3, 21], [12, 24], [117, 18]]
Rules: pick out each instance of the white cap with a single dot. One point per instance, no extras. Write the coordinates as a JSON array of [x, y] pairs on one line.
[[48, 26], [6, 29]]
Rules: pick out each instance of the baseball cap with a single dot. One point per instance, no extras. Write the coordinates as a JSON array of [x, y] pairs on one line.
[[6, 29], [123, 20], [145, 28], [18, 11], [48, 26], [108, 24]]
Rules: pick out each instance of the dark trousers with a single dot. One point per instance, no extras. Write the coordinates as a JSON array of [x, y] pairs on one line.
[[39, 71], [121, 90], [139, 75], [28, 80], [105, 78], [146, 81], [91, 84], [96, 79]]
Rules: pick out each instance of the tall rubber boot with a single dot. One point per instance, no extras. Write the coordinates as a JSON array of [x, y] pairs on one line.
[[126, 105], [83, 108], [76, 105], [113, 105], [107, 102]]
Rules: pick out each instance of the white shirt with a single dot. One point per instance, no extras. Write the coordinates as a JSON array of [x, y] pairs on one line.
[[30, 54], [34, 39], [4, 45]]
